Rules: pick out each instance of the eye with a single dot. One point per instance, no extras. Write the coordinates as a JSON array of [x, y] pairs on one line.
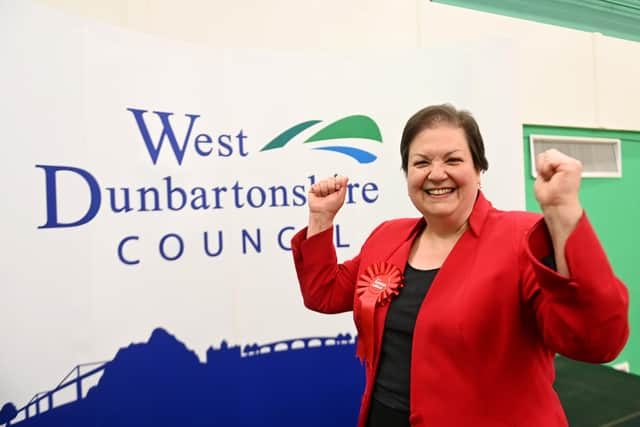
[[421, 163], [454, 160]]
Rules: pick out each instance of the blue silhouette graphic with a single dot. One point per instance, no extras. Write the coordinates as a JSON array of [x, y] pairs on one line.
[[305, 381], [300, 382]]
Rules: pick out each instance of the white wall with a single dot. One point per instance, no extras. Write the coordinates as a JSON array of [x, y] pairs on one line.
[[69, 83], [563, 77], [567, 77]]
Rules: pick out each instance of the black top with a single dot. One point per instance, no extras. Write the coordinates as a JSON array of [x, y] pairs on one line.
[[394, 370], [392, 382]]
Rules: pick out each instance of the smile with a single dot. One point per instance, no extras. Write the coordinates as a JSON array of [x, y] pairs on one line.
[[439, 191]]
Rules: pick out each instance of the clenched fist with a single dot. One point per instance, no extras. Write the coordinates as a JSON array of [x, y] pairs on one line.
[[556, 189], [558, 181], [325, 199]]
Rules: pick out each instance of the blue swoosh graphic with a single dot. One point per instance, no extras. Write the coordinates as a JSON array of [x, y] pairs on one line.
[[361, 156]]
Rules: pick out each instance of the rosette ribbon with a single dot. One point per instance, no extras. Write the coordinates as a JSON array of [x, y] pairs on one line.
[[376, 286]]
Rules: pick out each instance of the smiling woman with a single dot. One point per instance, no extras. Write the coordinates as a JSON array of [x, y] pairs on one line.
[[442, 177], [450, 304]]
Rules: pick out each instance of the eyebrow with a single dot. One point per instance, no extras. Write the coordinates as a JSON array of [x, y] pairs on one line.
[[447, 154]]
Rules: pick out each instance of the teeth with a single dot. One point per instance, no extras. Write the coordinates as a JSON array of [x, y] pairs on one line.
[[439, 191]]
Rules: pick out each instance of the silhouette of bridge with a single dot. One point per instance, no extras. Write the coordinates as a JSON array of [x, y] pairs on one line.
[[34, 408]]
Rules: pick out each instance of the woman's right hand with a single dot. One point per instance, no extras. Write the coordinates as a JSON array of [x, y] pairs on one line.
[[325, 199]]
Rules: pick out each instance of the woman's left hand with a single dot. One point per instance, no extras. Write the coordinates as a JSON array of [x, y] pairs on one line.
[[556, 189], [558, 183]]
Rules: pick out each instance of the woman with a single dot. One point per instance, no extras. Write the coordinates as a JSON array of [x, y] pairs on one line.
[[460, 312]]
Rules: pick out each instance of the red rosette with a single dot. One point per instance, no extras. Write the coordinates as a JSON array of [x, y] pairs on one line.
[[376, 286], [381, 279]]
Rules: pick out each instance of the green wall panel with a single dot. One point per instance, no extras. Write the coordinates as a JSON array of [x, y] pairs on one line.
[[613, 206]]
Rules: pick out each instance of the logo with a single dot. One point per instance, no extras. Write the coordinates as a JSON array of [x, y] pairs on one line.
[[357, 126], [168, 193]]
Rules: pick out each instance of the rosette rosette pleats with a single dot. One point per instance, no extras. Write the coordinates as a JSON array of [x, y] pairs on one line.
[[376, 286]]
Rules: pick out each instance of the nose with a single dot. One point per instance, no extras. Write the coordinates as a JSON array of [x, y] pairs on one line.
[[437, 172]]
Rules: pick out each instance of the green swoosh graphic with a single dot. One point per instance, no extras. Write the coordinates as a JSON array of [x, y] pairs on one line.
[[349, 127], [286, 136]]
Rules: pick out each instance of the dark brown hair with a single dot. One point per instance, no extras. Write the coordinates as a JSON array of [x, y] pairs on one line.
[[436, 115]]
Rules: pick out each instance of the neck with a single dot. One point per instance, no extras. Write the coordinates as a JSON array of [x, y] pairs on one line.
[[445, 230]]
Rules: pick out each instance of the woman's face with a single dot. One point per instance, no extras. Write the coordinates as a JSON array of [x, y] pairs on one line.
[[442, 180]]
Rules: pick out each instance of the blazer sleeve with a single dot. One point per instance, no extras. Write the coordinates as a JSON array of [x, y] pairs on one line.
[[584, 316], [327, 287]]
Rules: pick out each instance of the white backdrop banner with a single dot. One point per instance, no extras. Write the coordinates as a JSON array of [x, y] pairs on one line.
[[152, 184]]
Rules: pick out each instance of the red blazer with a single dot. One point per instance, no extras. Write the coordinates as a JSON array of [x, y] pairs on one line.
[[492, 321]]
